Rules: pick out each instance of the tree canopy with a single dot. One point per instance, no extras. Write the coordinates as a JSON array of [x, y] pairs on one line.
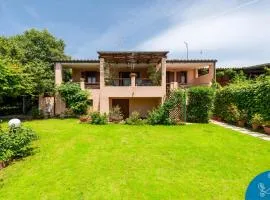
[[26, 62]]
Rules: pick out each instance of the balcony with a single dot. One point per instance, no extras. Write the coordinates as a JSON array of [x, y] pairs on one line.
[[85, 85], [118, 82], [92, 85]]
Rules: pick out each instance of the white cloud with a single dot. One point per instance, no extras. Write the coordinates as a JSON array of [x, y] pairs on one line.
[[238, 28]]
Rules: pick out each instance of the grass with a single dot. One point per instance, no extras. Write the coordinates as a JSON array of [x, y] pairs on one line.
[[81, 161]]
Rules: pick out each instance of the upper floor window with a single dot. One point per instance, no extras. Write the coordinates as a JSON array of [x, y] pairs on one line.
[[91, 77], [203, 71]]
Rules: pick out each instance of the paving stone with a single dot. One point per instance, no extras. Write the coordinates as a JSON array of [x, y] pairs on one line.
[[242, 130]]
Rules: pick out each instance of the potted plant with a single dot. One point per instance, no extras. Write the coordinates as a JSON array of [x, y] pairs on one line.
[[266, 127], [84, 118], [256, 121], [115, 115], [242, 118]]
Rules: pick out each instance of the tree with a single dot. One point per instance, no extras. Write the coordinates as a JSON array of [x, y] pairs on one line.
[[10, 79], [34, 51]]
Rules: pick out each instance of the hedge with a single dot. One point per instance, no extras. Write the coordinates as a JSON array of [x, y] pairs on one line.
[[252, 97], [199, 106]]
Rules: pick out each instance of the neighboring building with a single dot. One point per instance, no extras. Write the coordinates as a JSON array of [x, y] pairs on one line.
[[134, 80], [250, 71]]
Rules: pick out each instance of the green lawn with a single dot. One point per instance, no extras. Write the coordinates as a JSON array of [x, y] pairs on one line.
[[81, 161]]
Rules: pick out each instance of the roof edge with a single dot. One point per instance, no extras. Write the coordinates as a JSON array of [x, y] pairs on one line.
[[77, 61], [191, 60]]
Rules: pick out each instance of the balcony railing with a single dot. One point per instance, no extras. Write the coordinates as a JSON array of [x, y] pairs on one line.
[[118, 82], [143, 82], [92, 85]]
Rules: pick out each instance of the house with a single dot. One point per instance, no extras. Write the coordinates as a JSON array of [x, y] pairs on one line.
[[133, 80], [251, 72]]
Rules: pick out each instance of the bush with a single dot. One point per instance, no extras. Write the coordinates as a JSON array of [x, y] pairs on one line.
[[257, 119], [15, 143], [97, 118], [233, 114], [134, 119], [115, 114], [243, 115], [199, 104], [161, 115], [75, 98], [252, 97]]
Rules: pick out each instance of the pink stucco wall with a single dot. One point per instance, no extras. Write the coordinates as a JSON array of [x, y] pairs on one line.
[[150, 94]]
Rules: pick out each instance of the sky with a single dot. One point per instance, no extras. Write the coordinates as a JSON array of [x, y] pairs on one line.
[[235, 32]]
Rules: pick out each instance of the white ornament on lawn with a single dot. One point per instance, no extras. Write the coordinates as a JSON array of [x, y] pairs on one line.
[[14, 123]]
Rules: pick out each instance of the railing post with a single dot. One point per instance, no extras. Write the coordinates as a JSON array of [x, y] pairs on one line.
[[101, 79], [133, 79], [82, 83]]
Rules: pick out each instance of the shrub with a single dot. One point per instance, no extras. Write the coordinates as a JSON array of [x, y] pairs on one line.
[[115, 114], [161, 115], [252, 97], [75, 98], [233, 114], [134, 119], [97, 118], [243, 115], [257, 119], [199, 104], [15, 143]]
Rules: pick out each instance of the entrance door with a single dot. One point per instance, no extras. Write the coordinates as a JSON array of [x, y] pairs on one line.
[[124, 106]]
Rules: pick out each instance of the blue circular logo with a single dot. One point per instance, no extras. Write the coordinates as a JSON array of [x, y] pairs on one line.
[[259, 188]]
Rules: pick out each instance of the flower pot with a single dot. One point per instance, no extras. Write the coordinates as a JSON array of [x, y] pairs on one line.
[[267, 129], [84, 119], [219, 119], [241, 123], [255, 126]]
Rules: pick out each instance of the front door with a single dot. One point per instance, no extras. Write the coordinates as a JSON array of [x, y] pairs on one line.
[[124, 106]]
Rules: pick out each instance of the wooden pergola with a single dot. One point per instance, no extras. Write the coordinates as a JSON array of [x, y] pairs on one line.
[[135, 57]]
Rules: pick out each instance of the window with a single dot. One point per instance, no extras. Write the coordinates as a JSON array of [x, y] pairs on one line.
[[91, 79], [182, 77], [203, 71]]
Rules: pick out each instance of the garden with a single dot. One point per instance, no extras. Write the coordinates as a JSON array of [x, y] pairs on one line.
[[83, 161], [173, 153]]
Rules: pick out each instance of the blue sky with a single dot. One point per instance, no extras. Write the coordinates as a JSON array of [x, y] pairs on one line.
[[236, 32]]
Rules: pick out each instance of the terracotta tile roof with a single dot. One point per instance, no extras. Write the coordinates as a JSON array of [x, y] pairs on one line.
[[168, 61], [191, 60]]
